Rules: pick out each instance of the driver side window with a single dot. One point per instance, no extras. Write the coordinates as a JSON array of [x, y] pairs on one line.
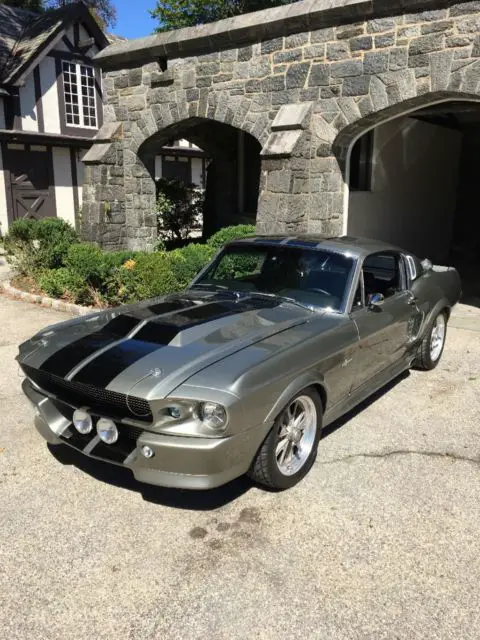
[[383, 275]]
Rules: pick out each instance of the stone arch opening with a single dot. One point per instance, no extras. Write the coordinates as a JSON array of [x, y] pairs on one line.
[[228, 162], [411, 179]]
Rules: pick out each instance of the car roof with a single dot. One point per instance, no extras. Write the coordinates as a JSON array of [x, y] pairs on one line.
[[359, 247]]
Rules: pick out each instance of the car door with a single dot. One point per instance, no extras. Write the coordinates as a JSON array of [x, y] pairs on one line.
[[384, 328]]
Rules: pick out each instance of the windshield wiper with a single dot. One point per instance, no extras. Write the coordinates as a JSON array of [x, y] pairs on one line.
[[206, 285], [284, 298]]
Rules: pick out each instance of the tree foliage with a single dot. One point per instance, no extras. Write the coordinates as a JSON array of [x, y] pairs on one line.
[[188, 13], [103, 10]]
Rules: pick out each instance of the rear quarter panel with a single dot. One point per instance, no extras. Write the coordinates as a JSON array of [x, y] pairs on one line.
[[436, 290]]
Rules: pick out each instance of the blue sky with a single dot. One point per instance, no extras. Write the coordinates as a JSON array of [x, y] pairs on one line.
[[133, 19]]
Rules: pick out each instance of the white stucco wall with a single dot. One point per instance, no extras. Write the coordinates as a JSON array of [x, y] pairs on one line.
[[415, 176], [158, 167], [80, 175], [62, 172], [3, 200], [2, 114], [28, 106], [48, 82]]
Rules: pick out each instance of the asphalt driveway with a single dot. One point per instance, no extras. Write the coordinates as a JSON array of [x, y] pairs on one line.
[[380, 541]]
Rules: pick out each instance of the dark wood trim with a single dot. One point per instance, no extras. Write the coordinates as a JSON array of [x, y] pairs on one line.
[[66, 41], [76, 34], [8, 110], [99, 97], [52, 178], [38, 99], [55, 139], [76, 195], [71, 56]]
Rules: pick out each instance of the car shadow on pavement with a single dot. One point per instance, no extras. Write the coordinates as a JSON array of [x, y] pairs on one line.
[[337, 424], [174, 498]]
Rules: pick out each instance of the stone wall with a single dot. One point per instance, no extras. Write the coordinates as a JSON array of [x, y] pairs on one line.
[[338, 80]]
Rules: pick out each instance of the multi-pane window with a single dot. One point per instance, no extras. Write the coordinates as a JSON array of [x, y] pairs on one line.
[[79, 90]]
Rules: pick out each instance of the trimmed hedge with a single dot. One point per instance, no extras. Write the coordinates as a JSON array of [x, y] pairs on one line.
[[49, 252]]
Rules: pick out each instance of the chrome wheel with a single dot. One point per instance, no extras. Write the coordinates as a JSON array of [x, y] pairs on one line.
[[437, 338], [296, 435]]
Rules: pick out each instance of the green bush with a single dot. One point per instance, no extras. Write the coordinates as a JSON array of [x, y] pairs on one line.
[[36, 245], [63, 283], [226, 235], [86, 261]]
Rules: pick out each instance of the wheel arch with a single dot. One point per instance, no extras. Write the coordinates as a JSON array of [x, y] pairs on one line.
[[297, 385]]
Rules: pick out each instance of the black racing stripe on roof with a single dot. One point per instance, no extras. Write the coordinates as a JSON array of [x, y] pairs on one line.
[[65, 359]]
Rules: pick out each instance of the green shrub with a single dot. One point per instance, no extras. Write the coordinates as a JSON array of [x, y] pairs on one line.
[[63, 283], [87, 261], [226, 235], [36, 245]]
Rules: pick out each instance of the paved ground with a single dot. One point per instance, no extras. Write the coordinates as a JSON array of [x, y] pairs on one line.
[[380, 541]]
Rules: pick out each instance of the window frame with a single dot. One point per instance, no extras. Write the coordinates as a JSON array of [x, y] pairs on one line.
[[404, 279], [78, 66]]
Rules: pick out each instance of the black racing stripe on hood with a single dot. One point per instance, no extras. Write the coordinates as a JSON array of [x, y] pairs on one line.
[[65, 359], [154, 336]]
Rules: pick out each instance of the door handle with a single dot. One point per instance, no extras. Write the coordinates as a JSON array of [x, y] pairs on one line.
[[412, 301]]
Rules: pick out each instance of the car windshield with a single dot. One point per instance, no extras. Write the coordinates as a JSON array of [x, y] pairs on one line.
[[319, 278]]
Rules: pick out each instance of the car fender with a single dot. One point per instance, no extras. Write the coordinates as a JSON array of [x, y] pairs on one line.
[[440, 306], [307, 379]]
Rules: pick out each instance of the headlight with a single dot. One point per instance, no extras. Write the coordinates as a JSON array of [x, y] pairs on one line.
[[213, 415], [82, 422]]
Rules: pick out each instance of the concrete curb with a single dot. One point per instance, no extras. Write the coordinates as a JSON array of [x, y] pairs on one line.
[[44, 301]]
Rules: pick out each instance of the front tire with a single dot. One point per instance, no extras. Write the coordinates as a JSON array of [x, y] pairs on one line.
[[433, 344], [289, 451]]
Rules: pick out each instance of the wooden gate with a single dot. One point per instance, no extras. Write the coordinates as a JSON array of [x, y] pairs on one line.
[[31, 180]]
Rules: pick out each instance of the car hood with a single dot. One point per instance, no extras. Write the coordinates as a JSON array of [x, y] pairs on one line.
[[149, 349]]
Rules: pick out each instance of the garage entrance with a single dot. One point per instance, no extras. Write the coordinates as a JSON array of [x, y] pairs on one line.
[[413, 181]]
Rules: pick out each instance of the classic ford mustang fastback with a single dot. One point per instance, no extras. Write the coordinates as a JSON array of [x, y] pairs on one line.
[[237, 374]]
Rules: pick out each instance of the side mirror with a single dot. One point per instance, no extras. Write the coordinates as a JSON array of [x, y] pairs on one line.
[[427, 265], [375, 301]]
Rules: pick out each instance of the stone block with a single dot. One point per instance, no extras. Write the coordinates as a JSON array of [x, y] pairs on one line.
[[400, 85], [274, 83], [260, 68], [319, 75], [121, 82], [421, 60], [381, 24], [349, 110], [384, 40], [465, 8], [322, 35], [458, 41], [426, 16], [441, 66], [375, 62], [296, 40], [427, 44], [253, 86], [437, 27], [338, 51], [363, 43], [297, 75], [469, 25], [378, 94], [346, 69], [269, 46], [103, 153], [365, 106], [398, 59], [346, 33], [411, 31], [245, 54], [134, 77], [356, 86], [292, 116], [192, 95], [323, 130], [292, 55], [316, 51]]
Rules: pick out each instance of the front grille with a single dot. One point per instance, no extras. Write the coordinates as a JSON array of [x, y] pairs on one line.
[[117, 452], [106, 403]]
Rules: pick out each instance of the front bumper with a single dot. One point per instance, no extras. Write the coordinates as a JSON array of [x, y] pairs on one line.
[[180, 462]]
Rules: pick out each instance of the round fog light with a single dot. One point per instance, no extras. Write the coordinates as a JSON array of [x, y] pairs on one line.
[[82, 421], [107, 431], [147, 452]]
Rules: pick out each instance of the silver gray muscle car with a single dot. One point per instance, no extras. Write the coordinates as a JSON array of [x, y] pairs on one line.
[[237, 374]]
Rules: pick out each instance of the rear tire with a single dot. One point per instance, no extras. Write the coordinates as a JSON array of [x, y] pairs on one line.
[[290, 449], [433, 344]]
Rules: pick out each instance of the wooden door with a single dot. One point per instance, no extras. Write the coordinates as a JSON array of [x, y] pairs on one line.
[[31, 181]]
